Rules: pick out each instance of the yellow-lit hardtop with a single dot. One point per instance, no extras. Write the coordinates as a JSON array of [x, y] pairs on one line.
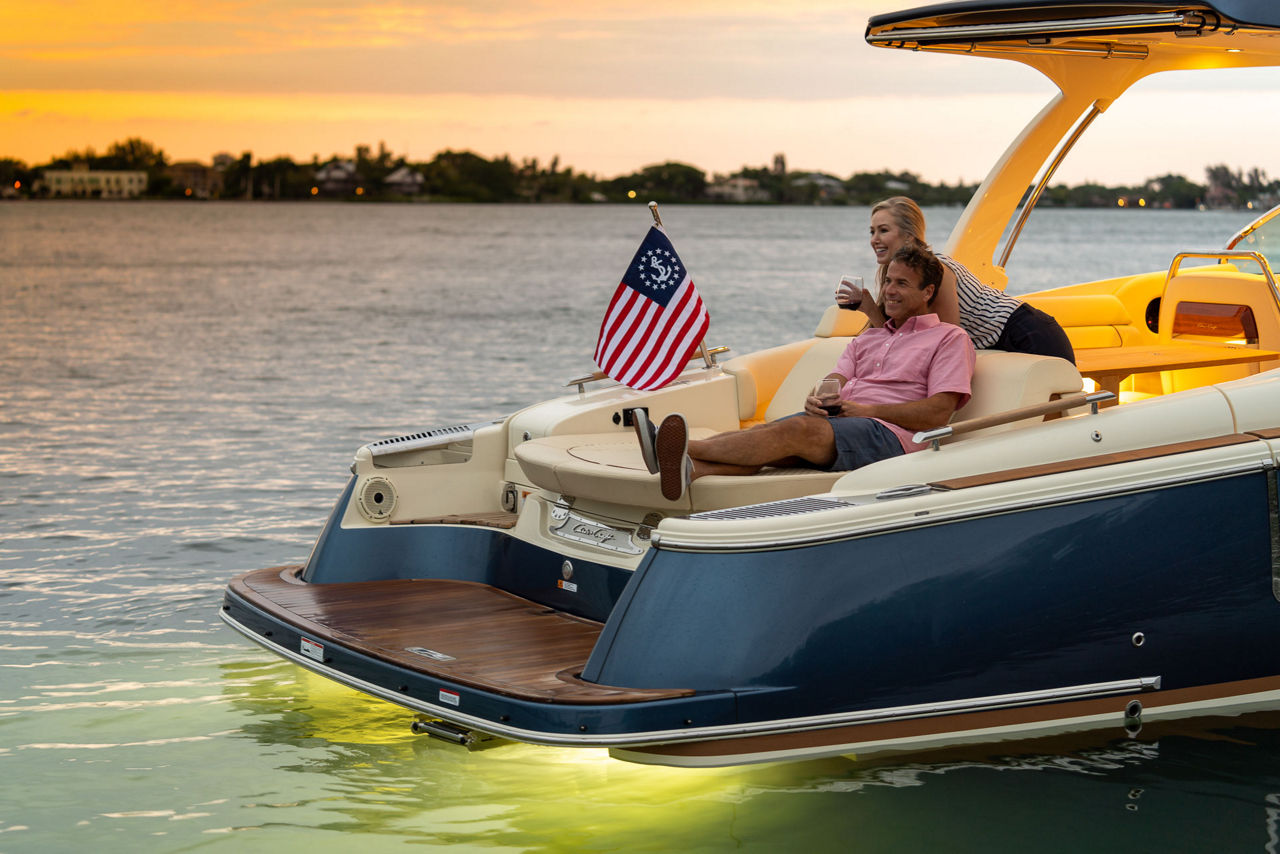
[[1092, 52]]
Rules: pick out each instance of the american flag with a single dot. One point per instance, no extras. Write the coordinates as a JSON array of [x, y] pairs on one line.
[[655, 320]]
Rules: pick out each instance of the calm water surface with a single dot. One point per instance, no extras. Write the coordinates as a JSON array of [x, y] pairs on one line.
[[181, 390]]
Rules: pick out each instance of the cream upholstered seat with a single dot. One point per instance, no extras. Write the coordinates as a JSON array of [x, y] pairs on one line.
[[608, 466], [1004, 381]]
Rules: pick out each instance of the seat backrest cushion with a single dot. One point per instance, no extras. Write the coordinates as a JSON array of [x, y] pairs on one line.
[[1082, 309], [1004, 381], [837, 322], [1090, 320], [818, 361]]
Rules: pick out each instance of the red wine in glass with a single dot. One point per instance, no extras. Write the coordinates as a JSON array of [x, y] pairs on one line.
[[828, 394]]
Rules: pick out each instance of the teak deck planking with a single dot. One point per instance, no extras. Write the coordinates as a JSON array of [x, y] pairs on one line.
[[500, 642]]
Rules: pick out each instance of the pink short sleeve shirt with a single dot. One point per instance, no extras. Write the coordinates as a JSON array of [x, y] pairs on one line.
[[923, 358]]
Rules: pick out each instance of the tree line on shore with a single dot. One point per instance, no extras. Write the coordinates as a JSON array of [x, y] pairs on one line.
[[463, 176]]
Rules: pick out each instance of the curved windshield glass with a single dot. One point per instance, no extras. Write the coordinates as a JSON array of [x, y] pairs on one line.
[[1262, 236]]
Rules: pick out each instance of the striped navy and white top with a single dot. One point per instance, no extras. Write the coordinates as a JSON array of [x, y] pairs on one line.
[[983, 310]]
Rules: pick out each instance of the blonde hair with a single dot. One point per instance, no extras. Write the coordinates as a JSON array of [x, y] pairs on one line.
[[909, 219]]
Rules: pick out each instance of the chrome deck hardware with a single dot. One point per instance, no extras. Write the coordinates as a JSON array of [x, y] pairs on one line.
[[707, 355], [934, 437]]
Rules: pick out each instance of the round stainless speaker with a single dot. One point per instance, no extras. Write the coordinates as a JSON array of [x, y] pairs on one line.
[[376, 499]]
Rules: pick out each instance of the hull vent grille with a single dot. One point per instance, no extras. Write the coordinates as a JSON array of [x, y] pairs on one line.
[[790, 507], [436, 437]]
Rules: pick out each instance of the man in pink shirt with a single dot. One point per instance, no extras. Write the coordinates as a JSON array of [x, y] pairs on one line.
[[910, 375]]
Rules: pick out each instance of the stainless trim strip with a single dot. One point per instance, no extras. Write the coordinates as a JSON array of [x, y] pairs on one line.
[[896, 713], [1102, 51], [1076, 26], [668, 542]]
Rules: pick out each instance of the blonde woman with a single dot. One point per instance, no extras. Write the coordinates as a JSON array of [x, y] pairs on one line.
[[993, 319]]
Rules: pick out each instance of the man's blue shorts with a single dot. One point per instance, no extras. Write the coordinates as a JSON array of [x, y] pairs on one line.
[[859, 442]]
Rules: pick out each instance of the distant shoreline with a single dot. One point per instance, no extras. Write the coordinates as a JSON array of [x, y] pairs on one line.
[[135, 168], [605, 203]]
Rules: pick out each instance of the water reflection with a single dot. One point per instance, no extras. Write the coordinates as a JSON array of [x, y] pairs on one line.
[[1184, 786]]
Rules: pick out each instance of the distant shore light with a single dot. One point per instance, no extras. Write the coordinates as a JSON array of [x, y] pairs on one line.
[[631, 194]]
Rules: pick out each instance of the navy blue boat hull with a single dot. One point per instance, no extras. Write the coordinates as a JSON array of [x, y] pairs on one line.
[[1033, 609]]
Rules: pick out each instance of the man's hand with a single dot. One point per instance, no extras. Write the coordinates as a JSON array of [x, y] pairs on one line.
[[933, 411], [813, 406]]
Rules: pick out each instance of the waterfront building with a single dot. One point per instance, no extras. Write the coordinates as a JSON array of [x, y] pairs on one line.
[[338, 177], [81, 181], [820, 187], [195, 179], [405, 181], [737, 189]]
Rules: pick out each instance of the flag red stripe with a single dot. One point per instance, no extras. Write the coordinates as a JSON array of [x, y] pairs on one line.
[[674, 354], [680, 347], [635, 336], [624, 315], [664, 342], [654, 343], [623, 297]]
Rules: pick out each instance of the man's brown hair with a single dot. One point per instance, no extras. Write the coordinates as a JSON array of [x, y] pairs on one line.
[[924, 262]]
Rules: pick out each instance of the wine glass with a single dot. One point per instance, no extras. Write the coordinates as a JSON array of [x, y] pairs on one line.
[[828, 394], [849, 293]]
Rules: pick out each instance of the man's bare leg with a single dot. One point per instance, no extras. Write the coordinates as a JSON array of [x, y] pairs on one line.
[[744, 452]]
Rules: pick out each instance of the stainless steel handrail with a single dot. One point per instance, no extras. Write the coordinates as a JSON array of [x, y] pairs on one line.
[[935, 436], [1228, 254], [707, 356], [1058, 157]]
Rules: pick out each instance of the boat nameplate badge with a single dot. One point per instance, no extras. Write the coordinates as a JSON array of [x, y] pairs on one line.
[[570, 526]]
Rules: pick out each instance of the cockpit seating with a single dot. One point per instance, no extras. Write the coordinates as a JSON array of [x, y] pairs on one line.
[[772, 383]]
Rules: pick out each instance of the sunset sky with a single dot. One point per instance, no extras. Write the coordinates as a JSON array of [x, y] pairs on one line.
[[609, 86]]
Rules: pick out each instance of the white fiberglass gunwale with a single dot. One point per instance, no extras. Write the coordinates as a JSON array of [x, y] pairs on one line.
[[1093, 53]]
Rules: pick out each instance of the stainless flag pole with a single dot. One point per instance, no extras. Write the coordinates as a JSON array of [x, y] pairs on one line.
[[707, 358]]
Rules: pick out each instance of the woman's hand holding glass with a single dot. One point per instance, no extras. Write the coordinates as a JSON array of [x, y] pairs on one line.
[[850, 292]]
